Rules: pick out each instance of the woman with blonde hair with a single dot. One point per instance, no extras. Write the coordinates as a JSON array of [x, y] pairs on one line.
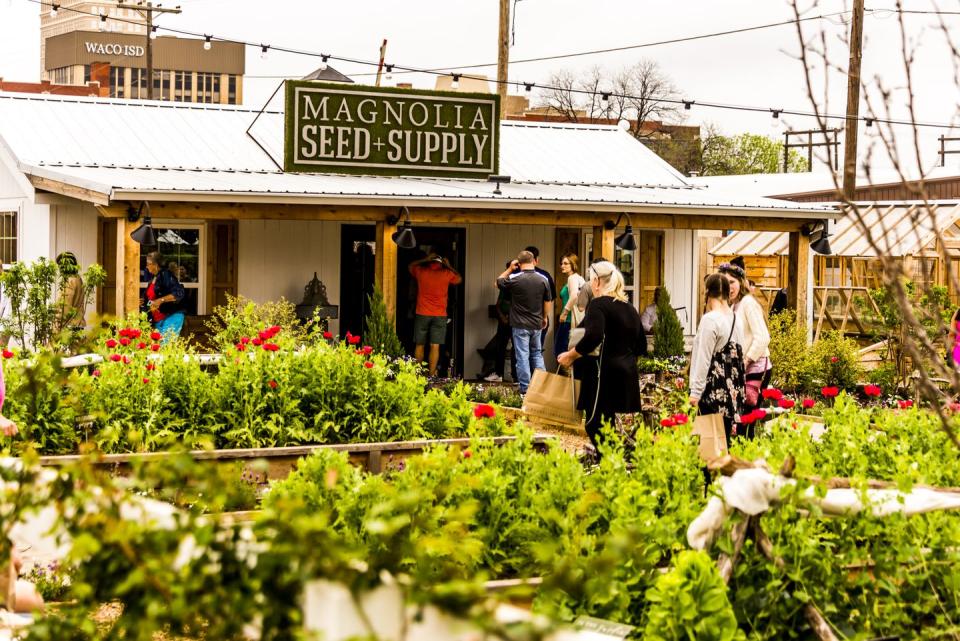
[[756, 338], [569, 316], [612, 340]]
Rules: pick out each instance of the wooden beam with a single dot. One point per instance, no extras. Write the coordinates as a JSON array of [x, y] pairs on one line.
[[57, 187], [386, 266], [798, 279], [128, 269], [452, 216], [603, 242]]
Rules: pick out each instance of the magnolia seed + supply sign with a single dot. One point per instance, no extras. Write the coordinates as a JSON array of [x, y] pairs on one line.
[[336, 128]]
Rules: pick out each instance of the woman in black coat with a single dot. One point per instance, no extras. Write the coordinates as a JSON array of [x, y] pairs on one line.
[[610, 383]]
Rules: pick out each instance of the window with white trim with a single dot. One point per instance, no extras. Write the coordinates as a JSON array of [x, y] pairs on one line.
[[8, 237]]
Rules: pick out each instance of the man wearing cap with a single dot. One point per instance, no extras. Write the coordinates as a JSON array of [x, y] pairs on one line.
[[434, 275]]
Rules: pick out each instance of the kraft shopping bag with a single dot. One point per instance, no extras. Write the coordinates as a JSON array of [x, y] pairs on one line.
[[553, 397], [713, 438]]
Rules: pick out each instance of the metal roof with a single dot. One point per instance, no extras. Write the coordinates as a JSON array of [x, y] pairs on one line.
[[117, 147], [896, 229]]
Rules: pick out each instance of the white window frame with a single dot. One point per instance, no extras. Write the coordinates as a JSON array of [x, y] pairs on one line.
[[17, 218], [201, 284], [630, 287]]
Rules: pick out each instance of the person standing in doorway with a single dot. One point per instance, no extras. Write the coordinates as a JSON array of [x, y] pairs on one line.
[[164, 299], [531, 304], [570, 267], [553, 287], [434, 276]]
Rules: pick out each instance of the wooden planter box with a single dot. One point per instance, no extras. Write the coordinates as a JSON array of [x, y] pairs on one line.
[[373, 457]]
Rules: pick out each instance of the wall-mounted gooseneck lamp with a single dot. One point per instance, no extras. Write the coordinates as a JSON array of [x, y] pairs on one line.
[[403, 237], [626, 240], [820, 238], [144, 234]]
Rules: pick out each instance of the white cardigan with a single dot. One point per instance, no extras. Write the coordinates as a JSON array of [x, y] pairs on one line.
[[712, 334], [756, 336]]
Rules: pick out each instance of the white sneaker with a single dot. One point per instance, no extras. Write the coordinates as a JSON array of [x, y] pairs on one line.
[[493, 378]]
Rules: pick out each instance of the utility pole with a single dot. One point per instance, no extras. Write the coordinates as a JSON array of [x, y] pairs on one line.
[[147, 9], [853, 103], [383, 56], [503, 55]]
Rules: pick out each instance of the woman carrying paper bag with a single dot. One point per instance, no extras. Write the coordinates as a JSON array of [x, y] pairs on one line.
[[716, 363], [612, 339]]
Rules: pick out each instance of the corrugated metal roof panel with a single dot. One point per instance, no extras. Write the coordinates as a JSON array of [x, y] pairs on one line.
[[897, 230]]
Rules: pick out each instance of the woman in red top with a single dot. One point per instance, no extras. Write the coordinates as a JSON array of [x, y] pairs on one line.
[[164, 299]]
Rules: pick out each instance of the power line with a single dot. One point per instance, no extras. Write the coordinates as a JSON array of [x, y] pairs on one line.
[[687, 103]]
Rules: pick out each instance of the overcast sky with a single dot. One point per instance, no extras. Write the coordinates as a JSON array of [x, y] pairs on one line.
[[758, 68]]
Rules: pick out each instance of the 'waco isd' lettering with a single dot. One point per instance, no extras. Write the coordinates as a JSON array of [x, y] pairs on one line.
[[372, 130], [111, 49]]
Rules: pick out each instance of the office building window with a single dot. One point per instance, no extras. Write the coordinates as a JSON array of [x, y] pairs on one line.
[[86, 74], [178, 86], [8, 237], [166, 81], [232, 91], [216, 88]]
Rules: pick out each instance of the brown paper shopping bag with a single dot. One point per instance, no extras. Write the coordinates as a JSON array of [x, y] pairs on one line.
[[553, 397], [713, 438]]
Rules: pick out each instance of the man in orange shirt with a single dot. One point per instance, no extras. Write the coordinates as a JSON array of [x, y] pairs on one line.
[[434, 275]]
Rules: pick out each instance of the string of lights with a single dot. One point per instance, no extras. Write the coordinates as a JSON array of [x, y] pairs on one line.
[[605, 96]]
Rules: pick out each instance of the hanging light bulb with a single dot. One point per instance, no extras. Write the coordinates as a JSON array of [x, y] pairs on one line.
[[869, 122], [775, 121], [53, 10], [527, 86], [456, 81], [687, 104], [263, 51], [605, 100], [153, 32], [323, 62], [206, 43], [103, 20], [389, 75]]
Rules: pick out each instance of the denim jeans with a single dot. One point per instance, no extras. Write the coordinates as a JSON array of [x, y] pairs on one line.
[[528, 352]]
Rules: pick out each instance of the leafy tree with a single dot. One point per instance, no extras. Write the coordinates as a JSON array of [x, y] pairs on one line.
[[379, 329], [667, 332], [747, 154]]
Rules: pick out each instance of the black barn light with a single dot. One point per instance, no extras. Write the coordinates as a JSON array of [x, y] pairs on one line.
[[403, 237], [625, 241], [144, 234]]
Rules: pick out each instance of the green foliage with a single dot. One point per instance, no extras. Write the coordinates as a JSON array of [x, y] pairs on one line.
[[667, 332], [504, 395], [36, 402], [52, 580], [690, 602], [801, 368], [243, 317], [836, 361], [379, 329], [40, 315], [790, 352], [747, 154]]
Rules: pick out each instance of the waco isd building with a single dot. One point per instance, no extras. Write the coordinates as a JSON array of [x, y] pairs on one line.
[[253, 204]]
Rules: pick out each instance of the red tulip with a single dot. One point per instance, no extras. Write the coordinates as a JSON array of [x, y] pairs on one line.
[[155, 336], [808, 403], [772, 393], [834, 359], [126, 359], [111, 343], [141, 345], [872, 390], [327, 335], [8, 354], [904, 405], [244, 339], [116, 358], [483, 410], [271, 347], [124, 341], [146, 380], [123, 333], [467, 454], [830, 391], [954, 407], [134, 333], [367, 350], [257, 342], [274, 330], [368, 364], [668, 422], [746, 419], [786, 403], [155, 347], [96, 372], [272, 384], [353, 340], [151, 367], [240, 347], [680, 419], [264, 335], [761, 413]]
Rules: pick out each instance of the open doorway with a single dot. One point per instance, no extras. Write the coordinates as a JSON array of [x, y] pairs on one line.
[[357, 276], [448, 242]]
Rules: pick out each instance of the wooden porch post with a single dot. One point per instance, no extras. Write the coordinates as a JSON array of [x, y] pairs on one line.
[[798, 280], [127, 269], [386, 267], [603, 242]]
